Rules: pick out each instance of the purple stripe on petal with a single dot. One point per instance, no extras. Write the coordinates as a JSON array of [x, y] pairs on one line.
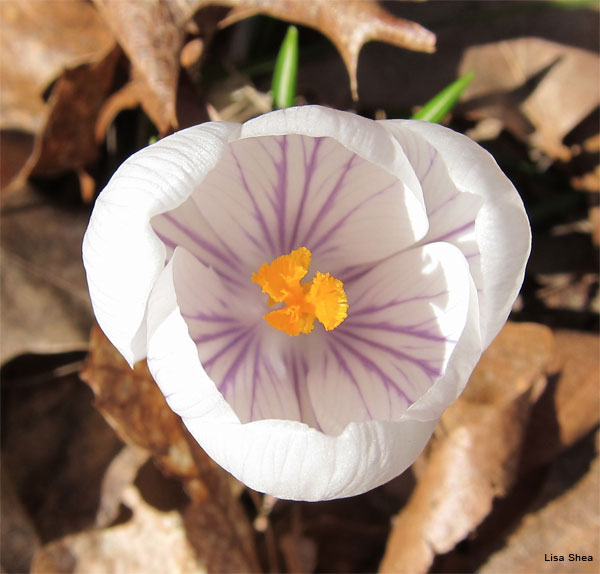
[[452, 233], [207, 363], [344, 218], [229, 377], [281, 193], [258, 215], [424, 365], [206, 337], [330, 201], [171, 244], [369, 365], [451, 197], [255, 379], [401, 330], [344, 366], [432, 157], [389, 305], [201, 241], [309, 169], [211, 318]]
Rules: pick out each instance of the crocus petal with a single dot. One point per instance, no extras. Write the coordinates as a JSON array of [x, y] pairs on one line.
[[256, 369], [276, 194], [405, 317], [121, 253], [361, 136], [285, 458], [502, 231], [421, 238]]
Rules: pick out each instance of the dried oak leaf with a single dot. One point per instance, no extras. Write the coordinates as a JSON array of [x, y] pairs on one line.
[[349, 24], [537, 89], [134, 406], [567, 524], [39, 40], [44, 297], [474, 455], [18, 539], [568, 409], [152, 541], [55, 447], [151, 33], [67, 141]]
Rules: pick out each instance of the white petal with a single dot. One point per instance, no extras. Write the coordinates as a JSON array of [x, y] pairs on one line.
[[121, 253], [501, 231], [363, 137], [456, 374], [258, 370], [275, 194], [405, 317], [292, 461], [284, 458]]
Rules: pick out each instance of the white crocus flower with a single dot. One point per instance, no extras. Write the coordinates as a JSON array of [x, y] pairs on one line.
[[311, 288]]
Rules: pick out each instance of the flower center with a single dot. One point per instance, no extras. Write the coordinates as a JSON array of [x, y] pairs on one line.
[[323, 298]]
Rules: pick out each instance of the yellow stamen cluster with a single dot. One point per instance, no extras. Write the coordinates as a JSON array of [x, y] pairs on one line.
[[323, 298]]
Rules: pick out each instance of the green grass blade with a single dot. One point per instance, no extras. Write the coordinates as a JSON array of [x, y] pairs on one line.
[[436, 108], [286, 71]]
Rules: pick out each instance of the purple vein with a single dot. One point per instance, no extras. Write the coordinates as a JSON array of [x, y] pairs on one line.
[[331, 199], [432, 157], [211, 318], [384, 307], [255, 377], [232, 254], [208, 362], [172, 245], [344, 366], [402, 330], [454, 232], [442, 205], [281, 192], [219, 334], [421, 363], [371, 366], [235, 365], [258, 215], [198, 240], [327, 235], [296, 383], [309, 170]]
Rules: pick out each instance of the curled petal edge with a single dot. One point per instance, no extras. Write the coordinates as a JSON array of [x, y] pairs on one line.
[[284, 458], [502, 228], [364, 137], [122, 255]]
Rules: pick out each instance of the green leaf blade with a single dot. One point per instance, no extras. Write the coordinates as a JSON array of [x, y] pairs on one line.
[[285, 74], [436, 109]]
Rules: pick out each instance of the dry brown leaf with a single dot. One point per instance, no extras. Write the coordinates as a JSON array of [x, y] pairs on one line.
[[134, 406], [39, 41], [120, 474], [568, 524], [568, 409], [19, 539], [539, 90], [349, 24], [44, 297], [475, 452], [153, 541], [55, 446], [151, 33], [67, 140]]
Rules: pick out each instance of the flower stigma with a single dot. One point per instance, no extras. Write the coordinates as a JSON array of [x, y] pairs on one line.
[[323, 298]]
